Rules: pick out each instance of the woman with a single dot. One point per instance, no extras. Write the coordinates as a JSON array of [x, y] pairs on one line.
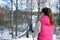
[[47, 25]]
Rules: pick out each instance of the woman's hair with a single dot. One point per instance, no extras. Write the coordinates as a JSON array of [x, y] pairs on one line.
[[48, 12]]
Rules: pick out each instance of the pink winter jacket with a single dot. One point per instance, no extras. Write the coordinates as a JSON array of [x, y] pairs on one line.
[[47, 29]]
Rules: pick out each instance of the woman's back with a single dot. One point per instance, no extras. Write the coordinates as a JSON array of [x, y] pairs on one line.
[[47, 29]]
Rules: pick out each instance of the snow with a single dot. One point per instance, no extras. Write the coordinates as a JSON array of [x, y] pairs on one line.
[[54, 38], [5, 35]]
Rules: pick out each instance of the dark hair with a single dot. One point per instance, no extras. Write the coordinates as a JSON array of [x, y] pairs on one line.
[[48, 12]]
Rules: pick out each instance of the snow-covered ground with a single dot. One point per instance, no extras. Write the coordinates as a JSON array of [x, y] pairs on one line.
[[54, 38], [5, 35]]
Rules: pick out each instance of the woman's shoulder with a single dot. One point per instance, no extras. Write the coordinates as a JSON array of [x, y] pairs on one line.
[[44, 17]]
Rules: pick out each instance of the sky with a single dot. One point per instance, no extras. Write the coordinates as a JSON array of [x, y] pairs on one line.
[[4, 3]]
